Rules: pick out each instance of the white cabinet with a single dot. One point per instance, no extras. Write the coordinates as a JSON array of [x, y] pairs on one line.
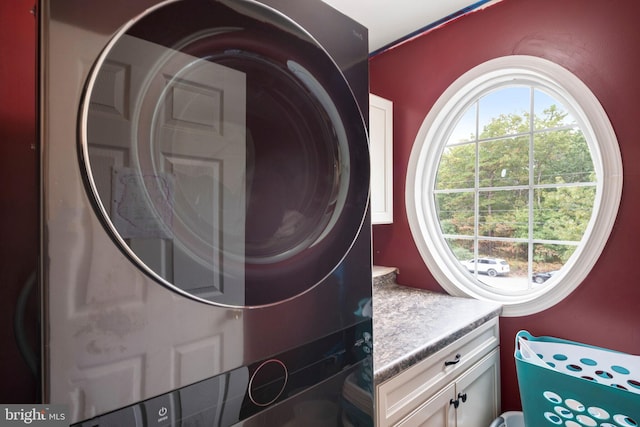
[[459, 386], [469, 401], [381, 149], [478, 391]]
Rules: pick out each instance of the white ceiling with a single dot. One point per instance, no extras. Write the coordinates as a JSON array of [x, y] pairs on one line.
[[390, 21]]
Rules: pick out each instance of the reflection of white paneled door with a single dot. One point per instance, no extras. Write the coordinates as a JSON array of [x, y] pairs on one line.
[[115, 336], [176, 175]]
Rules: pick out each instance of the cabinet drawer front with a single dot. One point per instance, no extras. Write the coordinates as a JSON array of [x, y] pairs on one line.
[[403, 393]]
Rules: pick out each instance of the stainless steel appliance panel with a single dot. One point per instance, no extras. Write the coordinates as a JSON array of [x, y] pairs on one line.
[[142, 293]]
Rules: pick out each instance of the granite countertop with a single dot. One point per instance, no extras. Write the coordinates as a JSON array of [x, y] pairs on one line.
[[411, 324]]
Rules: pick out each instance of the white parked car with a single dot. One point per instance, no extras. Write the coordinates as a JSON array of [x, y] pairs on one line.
[[491, 266]]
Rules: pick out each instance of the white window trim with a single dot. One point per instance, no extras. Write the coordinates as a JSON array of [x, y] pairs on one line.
[[425, 156]]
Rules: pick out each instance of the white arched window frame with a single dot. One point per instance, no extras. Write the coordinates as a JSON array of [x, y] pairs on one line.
[[432, 138]]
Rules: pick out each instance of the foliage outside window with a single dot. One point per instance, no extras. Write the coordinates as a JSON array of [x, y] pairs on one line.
[[521, 190], [512, 165]]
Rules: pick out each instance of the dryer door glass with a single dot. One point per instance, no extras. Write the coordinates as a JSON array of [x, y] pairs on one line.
[[225, 152]]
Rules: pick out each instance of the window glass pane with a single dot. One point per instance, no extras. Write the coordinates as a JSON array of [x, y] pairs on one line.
[[505, 112], [456, 213], [562, 156], [509, 262], [462, 249], [465, 129], [504, 162], [503, 213], [548, 259], [549, 113], [457, 167], [562, 213]]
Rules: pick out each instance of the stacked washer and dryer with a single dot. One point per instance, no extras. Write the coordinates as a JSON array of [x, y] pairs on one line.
[[206, 250]]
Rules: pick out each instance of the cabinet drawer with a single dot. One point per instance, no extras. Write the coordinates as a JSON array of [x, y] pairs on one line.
[[406, 391]]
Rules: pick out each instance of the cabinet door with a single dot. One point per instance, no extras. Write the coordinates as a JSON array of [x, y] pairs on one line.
[[381, 148], [478, 392], [435, 412]]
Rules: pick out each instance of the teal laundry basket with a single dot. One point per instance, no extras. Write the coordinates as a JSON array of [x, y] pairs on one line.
[[566, 383]]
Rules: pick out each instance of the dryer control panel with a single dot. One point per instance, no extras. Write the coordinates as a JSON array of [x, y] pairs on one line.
[[324, 373]]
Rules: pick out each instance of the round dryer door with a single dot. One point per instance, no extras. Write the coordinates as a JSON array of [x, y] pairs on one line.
[[225, 152]]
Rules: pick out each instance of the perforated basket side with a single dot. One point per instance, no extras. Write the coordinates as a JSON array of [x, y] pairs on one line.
[[550, 397], [596, 364]]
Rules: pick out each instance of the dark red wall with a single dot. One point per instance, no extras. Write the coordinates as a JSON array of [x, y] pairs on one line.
[[18, 192], [599, 42]]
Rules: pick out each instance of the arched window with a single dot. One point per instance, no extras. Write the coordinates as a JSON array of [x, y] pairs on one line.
[[514, 183]]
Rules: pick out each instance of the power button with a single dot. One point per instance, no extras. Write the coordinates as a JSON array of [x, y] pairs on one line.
[[160, 411]]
